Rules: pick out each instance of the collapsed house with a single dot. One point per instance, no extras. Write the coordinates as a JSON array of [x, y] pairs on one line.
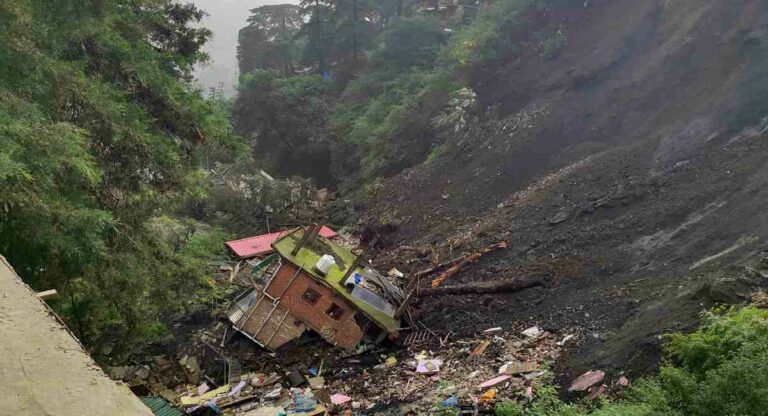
[[311, 282]]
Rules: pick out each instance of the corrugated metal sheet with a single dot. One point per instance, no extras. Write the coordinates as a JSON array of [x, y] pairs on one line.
[[160, 407], [262, 244]]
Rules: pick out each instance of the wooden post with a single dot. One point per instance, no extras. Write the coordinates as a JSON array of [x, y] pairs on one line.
[[307, 233], [357, 261]]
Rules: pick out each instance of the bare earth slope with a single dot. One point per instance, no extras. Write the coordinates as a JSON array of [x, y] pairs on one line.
[[630, 171], [44, 369]]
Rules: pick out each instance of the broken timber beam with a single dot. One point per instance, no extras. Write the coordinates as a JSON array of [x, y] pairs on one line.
[[48, 294], [507, 285], [471, 258]]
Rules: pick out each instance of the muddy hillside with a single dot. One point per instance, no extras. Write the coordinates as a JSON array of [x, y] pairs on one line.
[[628, 172]]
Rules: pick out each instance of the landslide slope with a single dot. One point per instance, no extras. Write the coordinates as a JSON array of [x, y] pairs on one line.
[[630, 171]]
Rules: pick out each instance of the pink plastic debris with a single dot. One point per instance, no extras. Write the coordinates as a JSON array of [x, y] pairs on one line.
[[587, 380], [340, 398], [494, 381]]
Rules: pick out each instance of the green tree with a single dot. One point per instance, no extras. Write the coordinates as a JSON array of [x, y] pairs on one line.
[[410, 41], [270, 39], [101, 136], [285, 117]]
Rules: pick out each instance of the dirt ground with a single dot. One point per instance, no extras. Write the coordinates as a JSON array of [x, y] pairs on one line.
[[629, 171], [44, 369]]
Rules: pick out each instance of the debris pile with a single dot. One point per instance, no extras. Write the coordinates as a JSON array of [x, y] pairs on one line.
[[471, 374]]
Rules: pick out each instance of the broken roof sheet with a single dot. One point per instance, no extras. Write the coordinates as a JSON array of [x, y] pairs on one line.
[[311, 253], [161, 407], [262, 244]]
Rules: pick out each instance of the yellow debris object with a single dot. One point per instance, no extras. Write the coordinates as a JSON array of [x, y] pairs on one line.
[[191, 401], [489, 395]]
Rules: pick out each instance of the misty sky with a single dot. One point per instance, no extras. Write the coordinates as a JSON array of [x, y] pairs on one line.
[[226, 18]]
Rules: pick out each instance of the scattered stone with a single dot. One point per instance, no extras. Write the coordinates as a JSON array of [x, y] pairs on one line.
[[142, 373], [316, 382], [586, 380], [532, 332], [596, 392], [560, 216], [533, 375], [519, 368], [623, 381]]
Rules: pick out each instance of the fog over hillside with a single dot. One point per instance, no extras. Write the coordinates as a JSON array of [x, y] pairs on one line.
[[226, 18]]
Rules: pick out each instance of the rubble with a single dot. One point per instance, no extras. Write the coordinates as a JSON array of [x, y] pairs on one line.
[[450, 374]]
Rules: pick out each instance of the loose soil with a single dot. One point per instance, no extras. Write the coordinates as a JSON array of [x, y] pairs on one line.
[[629, 170]]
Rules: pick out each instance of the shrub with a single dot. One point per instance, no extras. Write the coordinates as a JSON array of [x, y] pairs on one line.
[[495, 32]]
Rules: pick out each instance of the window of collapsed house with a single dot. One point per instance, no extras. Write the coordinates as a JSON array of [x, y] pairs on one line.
[[310, 296], [362, 321], [335, 311]]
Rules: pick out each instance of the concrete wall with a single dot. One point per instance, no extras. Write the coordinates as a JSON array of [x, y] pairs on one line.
[[344, 333], [45, 371]]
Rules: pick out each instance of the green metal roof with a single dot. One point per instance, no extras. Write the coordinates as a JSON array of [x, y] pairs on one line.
[[160, 407], [311, 253]]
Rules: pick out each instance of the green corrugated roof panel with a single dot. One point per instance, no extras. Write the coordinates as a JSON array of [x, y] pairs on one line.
[[308, 257], [160, 407]]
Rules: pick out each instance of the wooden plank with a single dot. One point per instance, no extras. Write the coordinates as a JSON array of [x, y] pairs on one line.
[[48, 294]]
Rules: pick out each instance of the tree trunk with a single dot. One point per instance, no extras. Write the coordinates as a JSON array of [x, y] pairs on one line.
[[507, 285]]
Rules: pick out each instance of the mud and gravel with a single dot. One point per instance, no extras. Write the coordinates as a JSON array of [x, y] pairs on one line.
[[629, 171]]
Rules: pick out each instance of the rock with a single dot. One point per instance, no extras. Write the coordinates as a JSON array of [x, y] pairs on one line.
[[533, 332], [586, 380], [162, 363], [728, 290], [519, 368], [316, 382], [142, 373], [533, 375], [623, 381], [118, 372], [560, 216], [596, 392], [295, 378]]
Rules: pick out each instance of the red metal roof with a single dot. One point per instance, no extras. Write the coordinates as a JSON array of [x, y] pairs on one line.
[[262, 244]]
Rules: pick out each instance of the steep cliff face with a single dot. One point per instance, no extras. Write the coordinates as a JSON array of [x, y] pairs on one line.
[[630, 169]]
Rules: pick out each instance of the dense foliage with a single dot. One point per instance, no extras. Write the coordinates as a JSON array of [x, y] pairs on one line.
[[721, 369], [101, 141], [389, 70]]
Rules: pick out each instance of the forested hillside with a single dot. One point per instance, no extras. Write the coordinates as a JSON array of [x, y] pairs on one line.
[[374, 86], [102, 143]]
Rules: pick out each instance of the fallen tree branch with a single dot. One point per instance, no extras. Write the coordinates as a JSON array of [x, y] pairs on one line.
[[471, 258], [507, 285]]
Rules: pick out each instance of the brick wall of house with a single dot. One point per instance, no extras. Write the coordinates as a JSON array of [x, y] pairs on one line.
[[344, 332]]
